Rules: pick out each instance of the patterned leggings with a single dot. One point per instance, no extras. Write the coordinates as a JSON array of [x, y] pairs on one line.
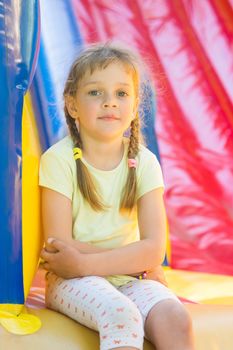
[[117, 313]]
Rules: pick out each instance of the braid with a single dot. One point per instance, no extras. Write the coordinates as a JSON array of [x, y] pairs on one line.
[[134, 138], [85, 182], [73, 129], [129, 196]]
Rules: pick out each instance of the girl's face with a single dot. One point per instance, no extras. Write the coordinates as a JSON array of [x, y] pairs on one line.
[[105, 103]]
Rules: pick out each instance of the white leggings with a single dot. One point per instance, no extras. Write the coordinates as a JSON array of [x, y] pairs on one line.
[[117, 313]]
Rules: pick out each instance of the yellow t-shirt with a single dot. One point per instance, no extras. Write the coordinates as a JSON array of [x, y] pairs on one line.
[[110, 228]]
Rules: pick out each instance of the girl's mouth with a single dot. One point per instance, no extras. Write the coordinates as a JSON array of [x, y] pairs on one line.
[[109, 117]]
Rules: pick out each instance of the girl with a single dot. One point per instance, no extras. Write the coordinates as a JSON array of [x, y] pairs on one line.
[[103, 214]]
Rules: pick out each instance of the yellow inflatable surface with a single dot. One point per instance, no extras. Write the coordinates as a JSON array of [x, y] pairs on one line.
[[212, 329], [32, 240], [202, 288]]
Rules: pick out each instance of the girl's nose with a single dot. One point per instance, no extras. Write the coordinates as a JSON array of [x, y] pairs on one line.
[[109, 101], [106, 105]]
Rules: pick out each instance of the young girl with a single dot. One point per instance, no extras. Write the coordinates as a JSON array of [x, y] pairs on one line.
[[103, 214]]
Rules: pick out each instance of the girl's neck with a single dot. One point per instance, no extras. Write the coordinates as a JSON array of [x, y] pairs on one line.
[[103, 156]]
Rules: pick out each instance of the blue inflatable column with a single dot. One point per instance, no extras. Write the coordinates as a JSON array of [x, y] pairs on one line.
[[19, 38]]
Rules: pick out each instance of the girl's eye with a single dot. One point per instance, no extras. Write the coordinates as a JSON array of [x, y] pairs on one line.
[[122, 93], [94, 93]]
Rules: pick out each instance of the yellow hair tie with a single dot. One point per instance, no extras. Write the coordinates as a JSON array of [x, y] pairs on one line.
[[77, 153]]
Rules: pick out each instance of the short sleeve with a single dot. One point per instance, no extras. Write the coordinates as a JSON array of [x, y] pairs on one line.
[[56, 174], [150, 174]]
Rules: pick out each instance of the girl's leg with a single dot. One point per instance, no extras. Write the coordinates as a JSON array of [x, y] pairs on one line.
[[167, 324], [95, 303]]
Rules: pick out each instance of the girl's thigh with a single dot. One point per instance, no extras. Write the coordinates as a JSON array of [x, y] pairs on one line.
[[95, 303], [146, 293], [82, 299]]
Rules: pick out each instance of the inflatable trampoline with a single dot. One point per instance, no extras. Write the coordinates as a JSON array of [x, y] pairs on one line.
[[187, 45]]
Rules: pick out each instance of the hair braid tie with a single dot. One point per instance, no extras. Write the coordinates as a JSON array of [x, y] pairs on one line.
[[132, 163], [77, 152]]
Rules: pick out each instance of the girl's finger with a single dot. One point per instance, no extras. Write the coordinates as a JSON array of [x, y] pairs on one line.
[[46, 266], [44, 254]]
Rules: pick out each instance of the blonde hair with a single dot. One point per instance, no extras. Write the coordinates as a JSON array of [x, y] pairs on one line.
[[99, 56]]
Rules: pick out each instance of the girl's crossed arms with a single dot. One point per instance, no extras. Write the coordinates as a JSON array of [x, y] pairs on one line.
[[71, 258]]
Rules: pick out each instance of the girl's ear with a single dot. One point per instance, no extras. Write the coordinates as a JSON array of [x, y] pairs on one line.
[[71, 106]]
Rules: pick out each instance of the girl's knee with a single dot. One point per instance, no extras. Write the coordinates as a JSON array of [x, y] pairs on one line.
[[174, 314], [169, 323], [180, 317]]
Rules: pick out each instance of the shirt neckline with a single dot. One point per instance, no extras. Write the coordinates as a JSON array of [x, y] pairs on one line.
[[101, 171]]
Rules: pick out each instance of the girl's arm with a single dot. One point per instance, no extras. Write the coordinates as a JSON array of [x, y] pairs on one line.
[[139, 256], [57, 221]]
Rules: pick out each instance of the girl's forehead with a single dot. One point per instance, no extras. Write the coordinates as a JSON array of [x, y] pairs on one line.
[[114, 69]]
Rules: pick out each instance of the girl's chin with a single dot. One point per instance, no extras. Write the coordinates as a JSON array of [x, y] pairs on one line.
[[105, 134]]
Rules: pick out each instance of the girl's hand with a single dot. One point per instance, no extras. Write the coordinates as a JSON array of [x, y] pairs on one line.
[[157, 274], [63, 259]]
